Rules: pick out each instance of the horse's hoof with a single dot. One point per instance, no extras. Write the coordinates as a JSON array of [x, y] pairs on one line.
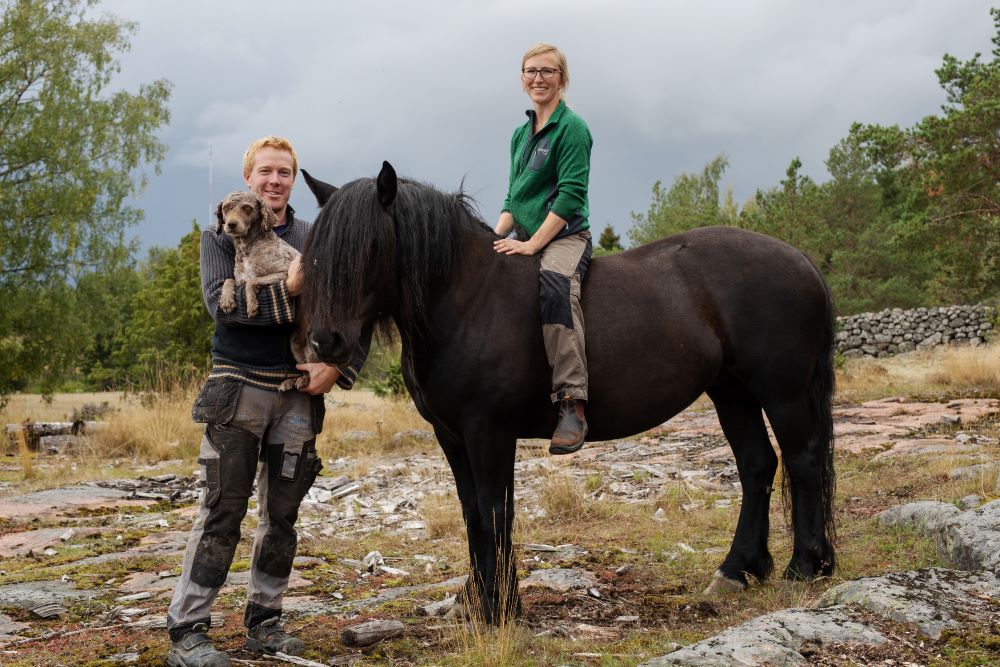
[[721, 585]]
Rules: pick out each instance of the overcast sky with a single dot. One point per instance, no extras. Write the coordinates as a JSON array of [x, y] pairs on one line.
[[434, 88]]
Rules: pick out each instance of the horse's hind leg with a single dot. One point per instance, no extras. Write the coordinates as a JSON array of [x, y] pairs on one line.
[[742, 421], [804, 458]]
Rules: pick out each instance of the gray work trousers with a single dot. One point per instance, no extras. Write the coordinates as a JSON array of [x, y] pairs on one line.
[[564, 265], [244, 425]]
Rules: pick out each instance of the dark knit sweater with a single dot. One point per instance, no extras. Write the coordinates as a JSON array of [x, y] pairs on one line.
[[257, 349]]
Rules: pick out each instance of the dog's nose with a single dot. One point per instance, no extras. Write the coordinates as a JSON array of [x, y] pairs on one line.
[[230, 225]]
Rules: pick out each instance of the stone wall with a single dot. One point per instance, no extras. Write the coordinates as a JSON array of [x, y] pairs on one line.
[[895, 331]]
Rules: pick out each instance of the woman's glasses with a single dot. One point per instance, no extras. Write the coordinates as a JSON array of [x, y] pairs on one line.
[[529, 73]]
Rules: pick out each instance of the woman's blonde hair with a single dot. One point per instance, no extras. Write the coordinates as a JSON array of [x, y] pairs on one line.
[[270, 141], [542, 47]]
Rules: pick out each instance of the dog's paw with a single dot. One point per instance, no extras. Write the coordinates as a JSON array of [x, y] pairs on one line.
[[303, 381], [288, 385], [227, 301]]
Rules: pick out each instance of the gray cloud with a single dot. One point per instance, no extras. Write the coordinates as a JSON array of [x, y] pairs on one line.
[[433, 87]]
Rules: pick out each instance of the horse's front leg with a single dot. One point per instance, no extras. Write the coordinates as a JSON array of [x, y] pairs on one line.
[[483, 466], [491, 454]]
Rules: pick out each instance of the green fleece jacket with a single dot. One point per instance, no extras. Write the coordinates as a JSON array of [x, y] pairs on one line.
[[550, 171]]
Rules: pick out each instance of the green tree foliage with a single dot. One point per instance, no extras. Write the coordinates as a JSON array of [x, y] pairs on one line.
[[609, 243], [169, 328], [942, 179], [69, 151], [909, 216], [692, 201]]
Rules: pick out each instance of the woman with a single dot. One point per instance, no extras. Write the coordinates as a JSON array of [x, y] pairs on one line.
[[547, 198]]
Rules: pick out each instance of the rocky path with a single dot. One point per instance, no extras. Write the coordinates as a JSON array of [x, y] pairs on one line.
[[139, 526]]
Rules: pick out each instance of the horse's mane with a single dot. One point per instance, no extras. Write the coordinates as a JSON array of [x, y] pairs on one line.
[[354, 241]]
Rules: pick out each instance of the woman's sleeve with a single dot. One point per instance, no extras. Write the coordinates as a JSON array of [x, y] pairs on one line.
[[572, 171]]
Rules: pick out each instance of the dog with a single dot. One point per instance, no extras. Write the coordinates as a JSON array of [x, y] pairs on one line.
[[262, 258]]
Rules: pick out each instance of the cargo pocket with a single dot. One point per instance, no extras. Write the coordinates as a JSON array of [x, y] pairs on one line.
[[212, 481], [216, 402]]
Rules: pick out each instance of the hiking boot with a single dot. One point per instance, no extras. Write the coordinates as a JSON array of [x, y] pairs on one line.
[[195, 650], [269, 637], [571, 429]]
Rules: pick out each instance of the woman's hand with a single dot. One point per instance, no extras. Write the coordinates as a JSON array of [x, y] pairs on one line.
[[515, 247]]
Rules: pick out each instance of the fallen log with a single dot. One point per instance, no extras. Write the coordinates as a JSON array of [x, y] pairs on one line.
[[33, 432], [366, 634]]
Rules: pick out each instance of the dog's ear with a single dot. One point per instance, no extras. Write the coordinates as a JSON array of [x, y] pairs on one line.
[[218, 218], [267, 217]]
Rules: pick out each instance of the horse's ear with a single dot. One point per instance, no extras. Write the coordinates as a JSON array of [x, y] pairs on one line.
[[218, 218], [322, 191], [267, 217], [386, 185]]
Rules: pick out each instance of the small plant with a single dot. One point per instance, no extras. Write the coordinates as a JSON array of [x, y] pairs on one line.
[[391, 384], [593, 482]]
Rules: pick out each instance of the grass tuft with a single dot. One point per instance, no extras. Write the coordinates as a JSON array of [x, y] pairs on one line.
[[443, 515]]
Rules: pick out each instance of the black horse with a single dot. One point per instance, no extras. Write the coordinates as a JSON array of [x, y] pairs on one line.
[[741, 316]]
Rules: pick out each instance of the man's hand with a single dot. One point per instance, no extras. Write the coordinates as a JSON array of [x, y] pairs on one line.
[[321, 377], [293, 283]]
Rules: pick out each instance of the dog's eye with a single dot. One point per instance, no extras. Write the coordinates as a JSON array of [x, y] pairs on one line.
[[247, 208]]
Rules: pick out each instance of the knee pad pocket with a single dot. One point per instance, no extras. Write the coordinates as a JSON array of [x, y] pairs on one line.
[[554, 301], [218, 543]]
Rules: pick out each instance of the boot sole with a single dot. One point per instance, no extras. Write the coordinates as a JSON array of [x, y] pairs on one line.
[[254, 646], [565, 449], [569, 449]]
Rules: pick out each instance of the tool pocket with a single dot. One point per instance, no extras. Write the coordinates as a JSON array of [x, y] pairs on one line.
[[216, 402], [211, 481]]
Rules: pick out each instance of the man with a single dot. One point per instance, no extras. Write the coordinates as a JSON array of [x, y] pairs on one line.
[[247, 420]]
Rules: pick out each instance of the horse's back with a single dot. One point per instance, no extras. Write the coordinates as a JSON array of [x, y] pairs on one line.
[[669, 319]]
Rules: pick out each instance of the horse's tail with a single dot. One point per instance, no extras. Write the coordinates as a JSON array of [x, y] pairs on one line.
[[820, 398]]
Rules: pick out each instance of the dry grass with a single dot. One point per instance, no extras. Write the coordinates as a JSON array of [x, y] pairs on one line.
[[359, 423], [973, 368], [564, 499], [500, 645], [973, 371], [443, 515], [155, 426]]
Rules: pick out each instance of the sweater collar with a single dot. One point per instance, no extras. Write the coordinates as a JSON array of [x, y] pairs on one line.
[[553, 119], [289, 221]]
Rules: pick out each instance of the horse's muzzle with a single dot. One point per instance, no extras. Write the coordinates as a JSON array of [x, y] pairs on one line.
[[331, 346]]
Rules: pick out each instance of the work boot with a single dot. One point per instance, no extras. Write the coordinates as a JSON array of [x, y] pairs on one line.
[[195, 650], [269, 637], [571, 429]]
